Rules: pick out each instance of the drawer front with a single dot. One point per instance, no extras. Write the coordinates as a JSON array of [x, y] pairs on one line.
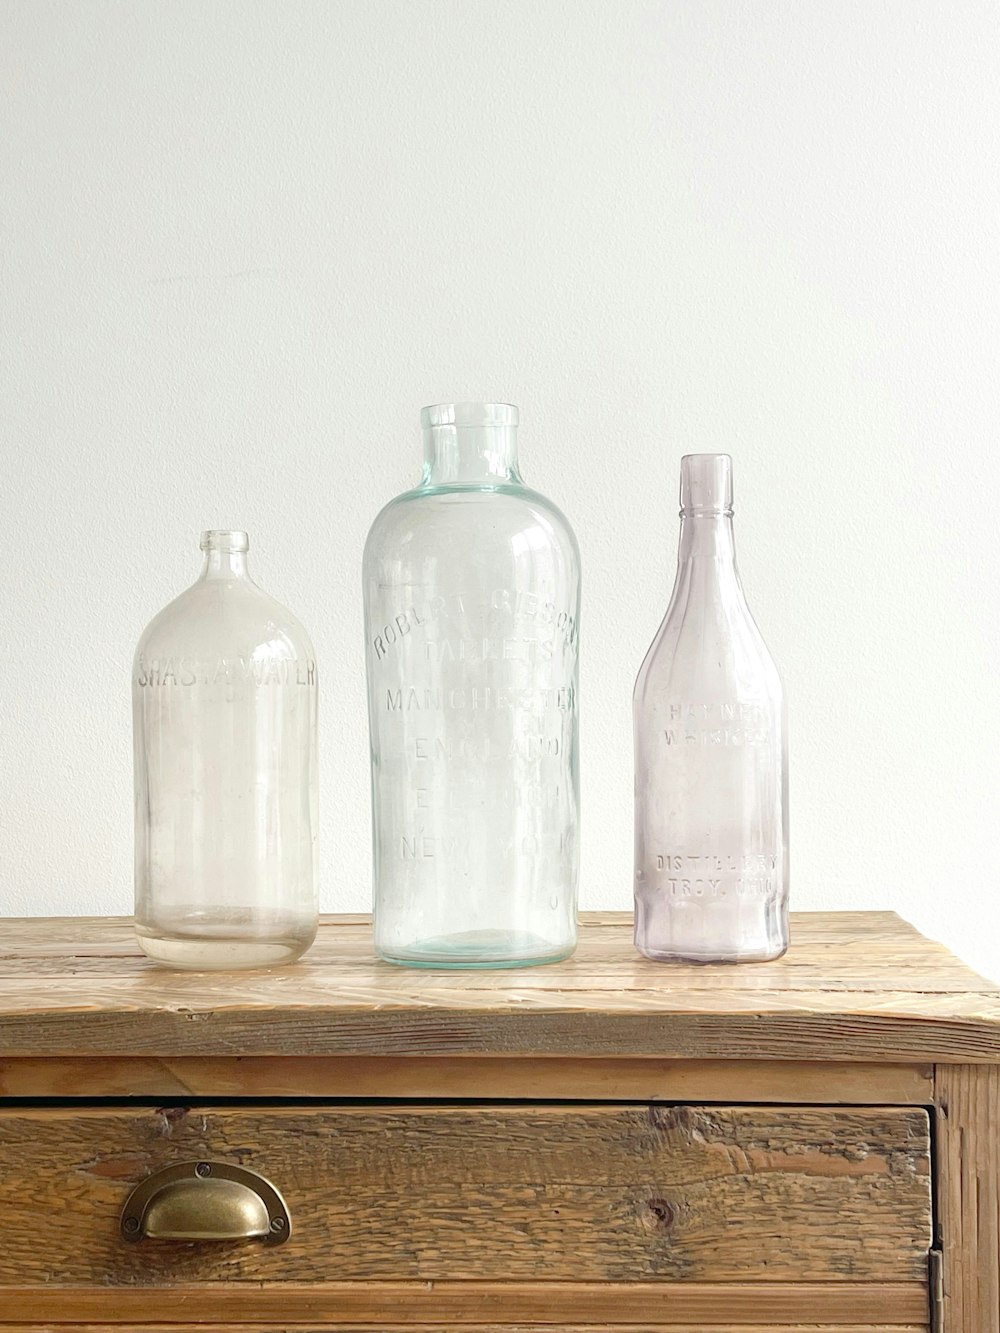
[[511, 1194]]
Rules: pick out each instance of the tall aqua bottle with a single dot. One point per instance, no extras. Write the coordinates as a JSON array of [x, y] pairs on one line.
[[472, 605]]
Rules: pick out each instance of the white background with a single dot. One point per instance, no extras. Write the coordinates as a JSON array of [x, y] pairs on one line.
[[242, 243]]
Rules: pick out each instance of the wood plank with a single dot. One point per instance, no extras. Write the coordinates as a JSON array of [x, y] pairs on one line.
[[897, 1305], [603, 961], [969, 1196], [313, 1327], [854, 986], [850, 957], [599, 1193], [645, 1080], [823, 1028]]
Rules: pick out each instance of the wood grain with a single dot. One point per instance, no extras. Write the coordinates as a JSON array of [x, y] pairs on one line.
[[853, 987], [447, 1305], [482, 1078], [969, 1195], [586, 1193]]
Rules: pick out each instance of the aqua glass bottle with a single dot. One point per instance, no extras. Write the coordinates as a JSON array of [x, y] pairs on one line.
[[472, 604], [711, 761], [224, 697]]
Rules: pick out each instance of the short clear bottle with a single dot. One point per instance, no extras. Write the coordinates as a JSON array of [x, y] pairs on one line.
[[224, 694], [711, 762]]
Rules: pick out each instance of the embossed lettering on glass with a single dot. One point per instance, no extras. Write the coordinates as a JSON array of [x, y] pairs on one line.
[[224, 707], [472, 604], [711, 759]]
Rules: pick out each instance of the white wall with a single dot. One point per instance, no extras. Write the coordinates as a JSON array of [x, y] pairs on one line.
[[242, 243]]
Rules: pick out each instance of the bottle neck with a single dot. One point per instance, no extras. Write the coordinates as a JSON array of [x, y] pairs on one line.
[[225, 555], [225, 565], [707, 537], [458, 455]]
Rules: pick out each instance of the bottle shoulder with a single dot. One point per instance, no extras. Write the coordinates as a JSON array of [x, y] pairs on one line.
[[222, 618], [708, 645], [494, 514]]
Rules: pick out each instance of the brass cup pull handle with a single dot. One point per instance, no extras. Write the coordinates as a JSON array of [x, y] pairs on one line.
[[206, 1201]]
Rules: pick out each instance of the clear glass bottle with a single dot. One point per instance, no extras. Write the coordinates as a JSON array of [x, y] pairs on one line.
[[711, 762], [224, 709], [472, 603]]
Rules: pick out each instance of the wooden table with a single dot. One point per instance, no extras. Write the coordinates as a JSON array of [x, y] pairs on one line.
[[604, 1143]]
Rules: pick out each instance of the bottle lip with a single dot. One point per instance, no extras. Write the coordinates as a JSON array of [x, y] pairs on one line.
[[225, 539], [706, 489], [469, 414]]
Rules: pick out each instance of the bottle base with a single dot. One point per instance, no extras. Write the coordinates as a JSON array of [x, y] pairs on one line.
[[724, 931], [764, 955], [478, 950], [221, 954]]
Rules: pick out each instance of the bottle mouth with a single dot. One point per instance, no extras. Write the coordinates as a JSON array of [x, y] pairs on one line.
[[225, 540], [469, 414], [706, 486]]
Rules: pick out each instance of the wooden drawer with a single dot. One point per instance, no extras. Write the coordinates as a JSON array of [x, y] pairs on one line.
[[609, 1195]]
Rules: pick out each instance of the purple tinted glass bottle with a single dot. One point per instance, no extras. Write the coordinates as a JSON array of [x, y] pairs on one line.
[[711, 766]]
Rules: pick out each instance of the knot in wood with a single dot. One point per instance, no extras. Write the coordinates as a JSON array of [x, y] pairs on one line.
[[660, 1215]]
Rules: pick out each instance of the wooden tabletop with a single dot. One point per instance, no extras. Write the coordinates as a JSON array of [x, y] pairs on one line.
[[854, 985]]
